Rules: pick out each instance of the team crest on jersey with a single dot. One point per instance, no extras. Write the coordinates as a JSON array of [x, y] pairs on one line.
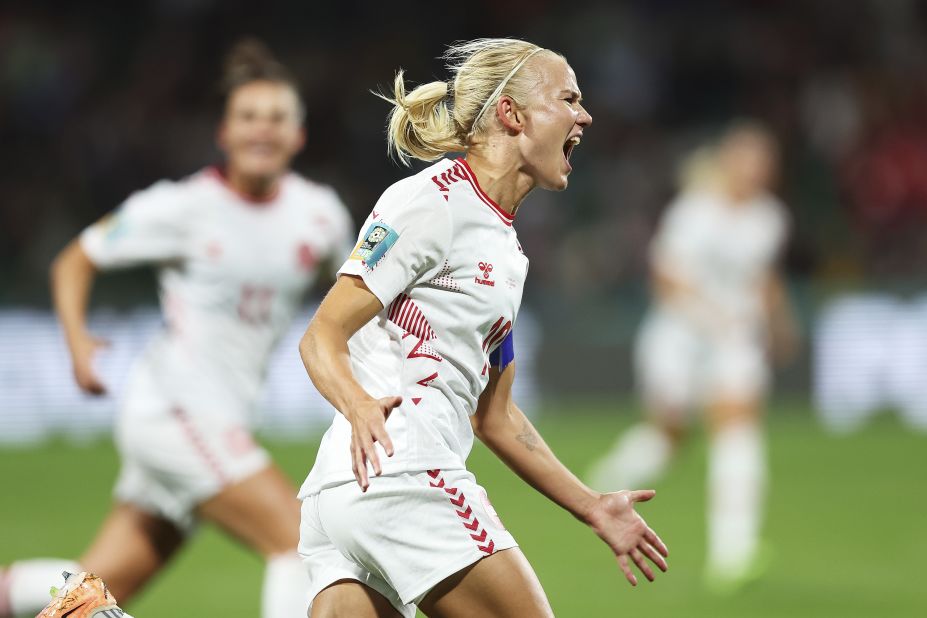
[[378, 239]]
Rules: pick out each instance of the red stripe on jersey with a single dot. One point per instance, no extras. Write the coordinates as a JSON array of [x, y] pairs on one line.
[[423, 350], [406, 315], [492, 331], [394, 308], [506, 217], [420, 325], [404, 312], [499, 336], [458, 171]]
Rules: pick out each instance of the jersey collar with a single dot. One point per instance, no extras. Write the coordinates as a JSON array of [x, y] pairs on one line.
[[218, 173], [506, 217]]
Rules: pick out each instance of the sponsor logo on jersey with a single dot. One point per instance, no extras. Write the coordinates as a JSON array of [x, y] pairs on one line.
[[486, 269], [378, 239]]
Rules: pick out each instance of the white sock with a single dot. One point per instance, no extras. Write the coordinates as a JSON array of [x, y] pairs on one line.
[[286, 587], [638, 458], [736, 489], [28, 583]]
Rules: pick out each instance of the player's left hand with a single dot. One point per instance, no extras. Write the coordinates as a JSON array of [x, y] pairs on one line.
[[616, 522]]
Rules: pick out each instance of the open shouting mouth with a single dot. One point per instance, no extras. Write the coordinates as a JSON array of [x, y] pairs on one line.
[[568, 147]]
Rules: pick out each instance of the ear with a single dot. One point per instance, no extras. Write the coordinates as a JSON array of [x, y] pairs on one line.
[[509, 115]]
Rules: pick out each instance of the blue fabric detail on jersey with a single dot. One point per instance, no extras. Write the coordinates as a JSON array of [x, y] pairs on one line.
[[505, 353]]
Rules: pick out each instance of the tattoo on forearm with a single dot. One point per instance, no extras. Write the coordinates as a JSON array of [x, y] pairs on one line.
[[528, 436]]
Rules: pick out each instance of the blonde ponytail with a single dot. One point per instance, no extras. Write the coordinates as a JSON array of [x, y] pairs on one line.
[[424, 125], [420, 124]]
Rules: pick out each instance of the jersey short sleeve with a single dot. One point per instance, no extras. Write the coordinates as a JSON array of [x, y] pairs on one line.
[[149, 227], [399, 244]]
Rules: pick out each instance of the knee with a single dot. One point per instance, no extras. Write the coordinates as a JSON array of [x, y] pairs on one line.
[[672, 428], [675, 434], [727, 414], [334, 601], [123, 586]]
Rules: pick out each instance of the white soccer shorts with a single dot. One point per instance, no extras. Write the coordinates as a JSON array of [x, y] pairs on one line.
[[175, 459], [402, 537], [680, 367]]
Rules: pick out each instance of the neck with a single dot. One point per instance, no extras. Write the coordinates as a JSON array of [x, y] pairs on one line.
[[499, 174], [739, 194], [257, 188]]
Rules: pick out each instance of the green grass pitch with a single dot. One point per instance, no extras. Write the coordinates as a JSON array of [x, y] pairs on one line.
[[847, 522]]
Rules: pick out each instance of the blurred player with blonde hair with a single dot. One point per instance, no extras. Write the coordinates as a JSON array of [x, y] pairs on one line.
[[413, 346], [718, 305], [235, 247]]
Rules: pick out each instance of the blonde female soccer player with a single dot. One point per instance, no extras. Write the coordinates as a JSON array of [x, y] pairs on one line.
[[413, 346], [718, 304], [235, 248]]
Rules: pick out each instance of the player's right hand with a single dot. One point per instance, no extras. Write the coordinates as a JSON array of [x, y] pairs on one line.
[[368, 425], [83, 352]]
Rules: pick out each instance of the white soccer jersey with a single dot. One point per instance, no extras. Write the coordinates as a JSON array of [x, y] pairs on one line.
[[721, 250], [446, 263], [231, 271]]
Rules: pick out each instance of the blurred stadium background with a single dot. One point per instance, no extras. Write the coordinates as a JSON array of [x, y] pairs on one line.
[[98, 99]]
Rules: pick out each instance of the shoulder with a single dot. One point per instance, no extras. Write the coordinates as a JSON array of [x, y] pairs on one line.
[[690, 208], [416, 196], [169, 196], [315, 192], [320, 199]]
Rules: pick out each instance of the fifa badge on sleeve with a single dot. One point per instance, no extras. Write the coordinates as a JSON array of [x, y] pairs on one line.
[[378, 239]]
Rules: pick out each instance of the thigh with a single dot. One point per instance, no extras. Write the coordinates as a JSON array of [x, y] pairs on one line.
[[737, 382], [499, 586], [347, 597], [667, 367], [175, 460], [130, 547], [413, 530], [261, 511], [338, 586], [724, 413]]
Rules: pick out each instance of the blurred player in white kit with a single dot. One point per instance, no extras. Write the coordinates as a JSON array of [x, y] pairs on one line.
[[719, 309], [236, 248]]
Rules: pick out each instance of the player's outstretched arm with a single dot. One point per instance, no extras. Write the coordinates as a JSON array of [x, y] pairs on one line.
[[71, 277], [324, 350], [505, 429]]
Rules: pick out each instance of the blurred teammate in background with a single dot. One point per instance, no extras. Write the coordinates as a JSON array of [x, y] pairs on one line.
[[719, 304], [235, 249], [413, 345]]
